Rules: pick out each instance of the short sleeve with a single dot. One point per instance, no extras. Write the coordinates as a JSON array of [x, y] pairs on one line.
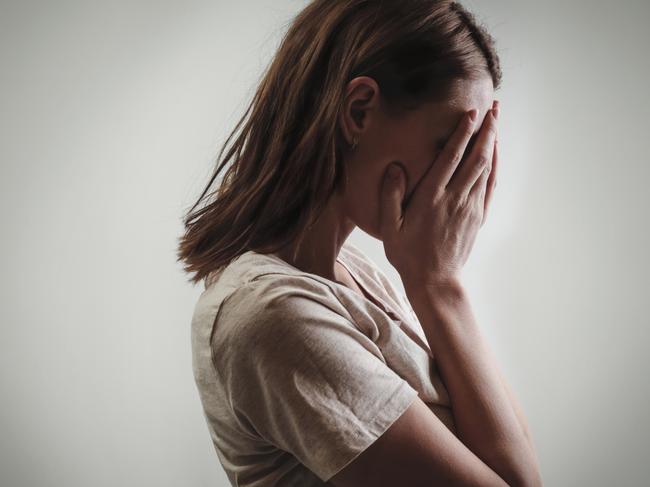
[[307, 380]]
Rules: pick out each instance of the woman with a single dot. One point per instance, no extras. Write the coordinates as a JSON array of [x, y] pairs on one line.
[[312, 368]]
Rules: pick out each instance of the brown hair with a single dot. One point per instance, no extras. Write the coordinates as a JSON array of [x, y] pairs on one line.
[[286, 161]]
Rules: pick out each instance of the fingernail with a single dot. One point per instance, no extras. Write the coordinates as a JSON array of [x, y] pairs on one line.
[[495, 111], [473, 114], [394, 171]]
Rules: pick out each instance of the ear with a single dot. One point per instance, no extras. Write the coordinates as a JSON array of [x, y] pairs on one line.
[[360, 105]]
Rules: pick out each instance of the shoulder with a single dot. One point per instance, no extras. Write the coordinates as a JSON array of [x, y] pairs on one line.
[[273, 291], [273, 303], [280, 324]]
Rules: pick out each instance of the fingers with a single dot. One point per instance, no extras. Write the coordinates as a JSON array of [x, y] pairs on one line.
[[390, 207], [477, 192], [438, 175], [492, 181], [478, 161]]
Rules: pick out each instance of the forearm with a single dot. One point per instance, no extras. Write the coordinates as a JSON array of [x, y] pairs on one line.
[[520, 415], [485, 420]]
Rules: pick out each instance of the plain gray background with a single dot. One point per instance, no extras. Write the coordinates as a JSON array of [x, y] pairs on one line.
[[111, 117]]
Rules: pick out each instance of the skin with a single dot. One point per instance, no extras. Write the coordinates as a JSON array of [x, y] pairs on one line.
[[414, 140]]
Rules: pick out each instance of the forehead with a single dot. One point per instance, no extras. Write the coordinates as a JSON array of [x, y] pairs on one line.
[[464, 91], [464, 95]]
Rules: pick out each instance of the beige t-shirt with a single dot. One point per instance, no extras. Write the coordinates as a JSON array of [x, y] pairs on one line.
[[298, 374]]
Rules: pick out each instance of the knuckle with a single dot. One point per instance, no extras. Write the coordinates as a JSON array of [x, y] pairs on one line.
[[455, 157], [437, 195], [482, 161], [456, 201]]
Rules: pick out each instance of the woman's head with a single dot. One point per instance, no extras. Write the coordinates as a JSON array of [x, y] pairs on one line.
[[413, 140], [395, 75]]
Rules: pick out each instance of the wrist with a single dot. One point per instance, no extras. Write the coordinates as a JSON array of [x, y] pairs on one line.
[[448, 293], [435, 285]]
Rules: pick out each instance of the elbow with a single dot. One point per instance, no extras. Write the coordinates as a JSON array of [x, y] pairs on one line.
[[528, 478], [521, 470]]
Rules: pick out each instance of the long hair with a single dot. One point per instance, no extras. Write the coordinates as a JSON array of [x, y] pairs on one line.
[[286, 159]]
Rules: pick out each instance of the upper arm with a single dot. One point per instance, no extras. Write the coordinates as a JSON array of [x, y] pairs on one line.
[[417, 450], [304, 378]]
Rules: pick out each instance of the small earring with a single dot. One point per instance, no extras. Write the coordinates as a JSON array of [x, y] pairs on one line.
[[354, 143]]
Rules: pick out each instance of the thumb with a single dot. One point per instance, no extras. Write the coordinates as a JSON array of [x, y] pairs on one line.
[[390, 212]]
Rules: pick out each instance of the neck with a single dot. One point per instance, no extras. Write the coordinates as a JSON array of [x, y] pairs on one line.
[[321, 244]]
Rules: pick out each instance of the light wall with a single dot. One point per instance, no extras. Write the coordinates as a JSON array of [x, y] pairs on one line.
[[111, 115]]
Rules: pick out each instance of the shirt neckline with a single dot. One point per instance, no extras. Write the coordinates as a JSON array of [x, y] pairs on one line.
[[394, 315], [377, 300], [341, 259]]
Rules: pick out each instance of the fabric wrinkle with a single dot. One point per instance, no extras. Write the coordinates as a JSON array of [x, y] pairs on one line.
[[298, 375]]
